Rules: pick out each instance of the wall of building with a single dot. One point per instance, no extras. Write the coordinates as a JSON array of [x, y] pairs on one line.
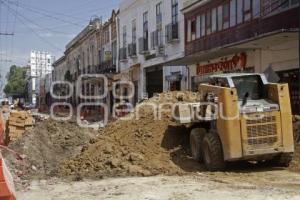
[[40, 65], [281, 57], [134, 10], [172, 70]]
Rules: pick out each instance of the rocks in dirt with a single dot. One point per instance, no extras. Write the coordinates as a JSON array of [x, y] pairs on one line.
[[45, 146]]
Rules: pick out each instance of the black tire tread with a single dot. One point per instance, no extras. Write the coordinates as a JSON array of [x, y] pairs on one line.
[[197, 134], [283, 160], [216, 152]]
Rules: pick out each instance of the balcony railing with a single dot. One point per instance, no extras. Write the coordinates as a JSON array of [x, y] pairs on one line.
[[172, 32], [123, 53], [132, 50], [281, 21], [143, 45], [106, 67]]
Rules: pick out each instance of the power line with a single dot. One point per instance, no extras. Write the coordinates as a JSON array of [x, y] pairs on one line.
[[19, 15], [50, 12], [45, 14], [22, 20], [7, 34]]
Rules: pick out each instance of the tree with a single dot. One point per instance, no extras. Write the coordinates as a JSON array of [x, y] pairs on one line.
[[16, 80]]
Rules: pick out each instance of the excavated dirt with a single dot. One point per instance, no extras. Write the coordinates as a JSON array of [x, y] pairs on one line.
[[141, 146], [45, 146], [295, 165], [136, 147]]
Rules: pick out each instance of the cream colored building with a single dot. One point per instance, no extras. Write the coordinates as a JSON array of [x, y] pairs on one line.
[[254, 36]]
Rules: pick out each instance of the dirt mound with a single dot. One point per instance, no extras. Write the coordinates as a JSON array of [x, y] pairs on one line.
[[295, 165], [45, 146], [142, 146]]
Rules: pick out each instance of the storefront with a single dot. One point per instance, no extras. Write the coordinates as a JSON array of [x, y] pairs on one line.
[[239, 62], [175, 78], [283, 58], [279, 53], [154, 80], [292, 77]]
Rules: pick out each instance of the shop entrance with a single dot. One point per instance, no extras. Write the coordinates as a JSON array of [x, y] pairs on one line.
[[175, 85], [292, 78], [154, 81]]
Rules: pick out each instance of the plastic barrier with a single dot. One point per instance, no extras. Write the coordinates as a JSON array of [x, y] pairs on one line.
[[7, 188]]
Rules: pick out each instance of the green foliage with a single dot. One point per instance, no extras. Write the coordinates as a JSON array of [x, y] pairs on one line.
[[16, 80]]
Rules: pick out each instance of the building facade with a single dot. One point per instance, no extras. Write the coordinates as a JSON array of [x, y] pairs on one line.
[[150, 39], [45, 99], [243, 35], [40, 65], [92, 52]]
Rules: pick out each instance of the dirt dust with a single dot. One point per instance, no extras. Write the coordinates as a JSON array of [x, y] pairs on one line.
[[45, 146]]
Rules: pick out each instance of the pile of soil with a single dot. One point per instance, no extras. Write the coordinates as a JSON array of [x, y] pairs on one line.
[[142, 146], [45, 146], [295, 165]]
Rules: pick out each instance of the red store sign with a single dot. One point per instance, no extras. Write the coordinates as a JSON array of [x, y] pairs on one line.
[[237, 62]]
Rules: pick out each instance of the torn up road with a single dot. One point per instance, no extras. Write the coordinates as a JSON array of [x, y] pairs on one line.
[[259, 185]]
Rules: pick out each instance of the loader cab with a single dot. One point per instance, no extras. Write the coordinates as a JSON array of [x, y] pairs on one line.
[[251, 91]]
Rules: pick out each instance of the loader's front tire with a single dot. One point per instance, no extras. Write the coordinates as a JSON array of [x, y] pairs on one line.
[[196, 138], [213, 153], [283, 160]]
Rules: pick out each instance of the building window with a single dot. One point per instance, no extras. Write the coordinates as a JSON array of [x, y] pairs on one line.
[[193, 29], [158, 13], [225, 15], [174, 11], [189, 23], [203, 25], [159, 23], [208, 22], [220, 18], [145, 31], [232, 13], [214, 20], [255, 8], [239, 11], [198, 27], [247, 10], [133, 23], [124, 36]]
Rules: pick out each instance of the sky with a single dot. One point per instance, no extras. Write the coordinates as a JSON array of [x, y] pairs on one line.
[[45, 25]]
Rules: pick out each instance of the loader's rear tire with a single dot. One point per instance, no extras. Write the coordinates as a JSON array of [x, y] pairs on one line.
[[283, 160], [196, 138], [213, 153]]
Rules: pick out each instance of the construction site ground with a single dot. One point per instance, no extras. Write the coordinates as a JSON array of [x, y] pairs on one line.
[[249, 185], [139, 158]]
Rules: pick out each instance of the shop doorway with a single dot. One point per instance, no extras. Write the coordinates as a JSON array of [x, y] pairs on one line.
[[175, 85], [154, 82]]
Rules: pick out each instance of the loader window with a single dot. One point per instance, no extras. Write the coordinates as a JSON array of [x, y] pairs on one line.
[[249, 85]]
